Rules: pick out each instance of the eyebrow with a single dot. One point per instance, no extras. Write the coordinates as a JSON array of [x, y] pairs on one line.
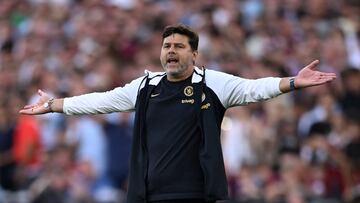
[[168, 43]]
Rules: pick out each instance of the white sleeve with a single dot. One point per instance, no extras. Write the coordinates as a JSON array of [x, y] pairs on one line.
[[235, 91], [120, 99]]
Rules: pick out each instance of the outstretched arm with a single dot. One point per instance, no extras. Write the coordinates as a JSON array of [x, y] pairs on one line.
[[307, 77], [120, 99], [46, 104]]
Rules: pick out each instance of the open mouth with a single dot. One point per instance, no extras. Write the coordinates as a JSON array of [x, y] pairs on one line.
[[172, 61]]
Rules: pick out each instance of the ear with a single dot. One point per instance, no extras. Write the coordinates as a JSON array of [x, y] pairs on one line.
[[195, 53]]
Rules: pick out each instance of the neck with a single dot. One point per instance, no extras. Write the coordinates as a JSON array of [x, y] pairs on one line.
[[176, 78], [173, 78]]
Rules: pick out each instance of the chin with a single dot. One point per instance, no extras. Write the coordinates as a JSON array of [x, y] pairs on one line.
[[173, 73], [173, 70]]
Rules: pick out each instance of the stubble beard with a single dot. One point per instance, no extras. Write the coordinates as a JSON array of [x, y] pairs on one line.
[[176, 72]]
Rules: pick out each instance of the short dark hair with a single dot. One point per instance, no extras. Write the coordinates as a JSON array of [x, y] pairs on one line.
[[182, 30]]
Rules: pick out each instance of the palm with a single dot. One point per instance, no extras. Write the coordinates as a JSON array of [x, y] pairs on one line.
[[38, 107], [309, 76]]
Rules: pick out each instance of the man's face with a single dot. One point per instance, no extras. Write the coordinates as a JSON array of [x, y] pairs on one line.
[[177, 57]]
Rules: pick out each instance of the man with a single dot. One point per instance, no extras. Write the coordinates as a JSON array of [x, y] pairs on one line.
[[176, 153]]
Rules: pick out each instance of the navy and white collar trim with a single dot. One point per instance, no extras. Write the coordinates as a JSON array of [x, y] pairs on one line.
[[155, 77]]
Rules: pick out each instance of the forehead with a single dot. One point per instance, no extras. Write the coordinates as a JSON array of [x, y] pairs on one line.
[[176, 38]]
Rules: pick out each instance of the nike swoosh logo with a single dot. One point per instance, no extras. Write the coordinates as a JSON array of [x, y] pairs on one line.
[[155, 95]]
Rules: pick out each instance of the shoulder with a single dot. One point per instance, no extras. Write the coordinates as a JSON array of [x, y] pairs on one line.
[[214, 74], [211, 76], [217, 79], [154, 77]]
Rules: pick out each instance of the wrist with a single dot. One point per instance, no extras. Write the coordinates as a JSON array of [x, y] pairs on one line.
[[292, 84], [49, 105]]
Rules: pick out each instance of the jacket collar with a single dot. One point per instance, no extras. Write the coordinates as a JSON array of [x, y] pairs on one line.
[[155, 77]]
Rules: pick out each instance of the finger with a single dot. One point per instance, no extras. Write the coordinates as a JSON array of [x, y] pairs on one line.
[[40, 92], [328, 79], [30, 106], [24, 111], [313, 64], [27, 111], [325, 73], [329, 74], [31, 111], [323, 80]]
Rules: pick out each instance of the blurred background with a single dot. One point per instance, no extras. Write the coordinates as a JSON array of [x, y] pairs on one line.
[[302, 147]]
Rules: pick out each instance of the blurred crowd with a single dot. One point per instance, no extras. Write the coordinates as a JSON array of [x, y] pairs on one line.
[[302, 147]]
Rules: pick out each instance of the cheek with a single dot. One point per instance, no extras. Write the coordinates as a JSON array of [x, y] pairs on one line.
[[190, 58], [162, 56]]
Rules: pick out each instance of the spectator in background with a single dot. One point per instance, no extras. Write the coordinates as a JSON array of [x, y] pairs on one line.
[[350, 97], [118, 129], [119, 135], [53, 183], [352, 153], [7, 163], [325, 163]]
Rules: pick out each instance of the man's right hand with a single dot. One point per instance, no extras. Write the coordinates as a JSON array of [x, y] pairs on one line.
[[39, 107]]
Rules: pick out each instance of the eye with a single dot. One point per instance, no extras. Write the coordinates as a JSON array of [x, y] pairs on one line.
[[180, 46], [166, 46]]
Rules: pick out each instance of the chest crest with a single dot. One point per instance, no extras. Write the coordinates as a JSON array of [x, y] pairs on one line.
[[188, 91]]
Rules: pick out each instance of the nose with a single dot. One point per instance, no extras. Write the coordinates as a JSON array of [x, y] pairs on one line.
[[171, 49]]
